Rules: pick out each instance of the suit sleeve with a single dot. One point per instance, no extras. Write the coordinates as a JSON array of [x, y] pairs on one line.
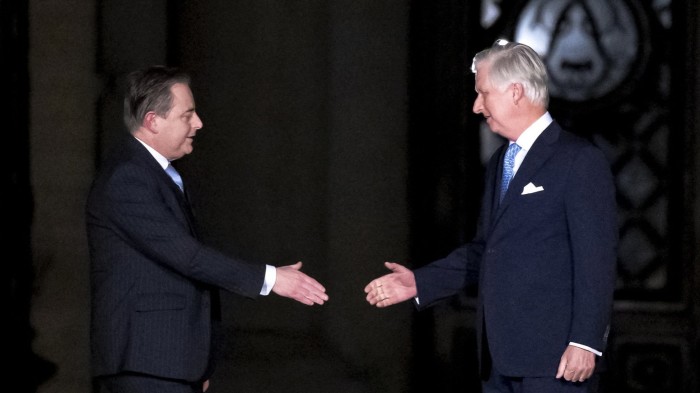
[[448, 276], [137, 207], [591, 213]]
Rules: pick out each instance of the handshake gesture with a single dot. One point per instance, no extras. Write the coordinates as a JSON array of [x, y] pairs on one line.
[[294, 284], [392, 288], [387, 290]]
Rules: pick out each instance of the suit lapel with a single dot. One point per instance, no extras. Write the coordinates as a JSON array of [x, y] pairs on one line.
[[494, 188], [142, 154], [184, 203], [189, 212], [539, 153]]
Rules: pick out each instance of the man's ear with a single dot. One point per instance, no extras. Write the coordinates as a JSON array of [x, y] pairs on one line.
[[150, 122], [517, 92]]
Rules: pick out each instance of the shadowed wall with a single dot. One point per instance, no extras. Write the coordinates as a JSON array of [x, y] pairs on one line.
[[310, 151]]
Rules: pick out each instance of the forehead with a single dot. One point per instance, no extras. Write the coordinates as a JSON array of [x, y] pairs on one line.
[[182, 95], [481, 76]]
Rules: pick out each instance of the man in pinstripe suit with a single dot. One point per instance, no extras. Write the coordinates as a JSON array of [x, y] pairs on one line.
[[154, 285]]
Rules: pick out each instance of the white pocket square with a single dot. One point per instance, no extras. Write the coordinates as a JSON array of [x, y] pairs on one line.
[[531, 188]]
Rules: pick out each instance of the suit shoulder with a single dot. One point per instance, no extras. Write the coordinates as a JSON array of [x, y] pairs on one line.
[[580, 151], [577, 143], [569, 137], [123, 169]]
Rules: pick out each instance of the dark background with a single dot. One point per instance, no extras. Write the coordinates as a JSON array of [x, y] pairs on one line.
[[338, 133]]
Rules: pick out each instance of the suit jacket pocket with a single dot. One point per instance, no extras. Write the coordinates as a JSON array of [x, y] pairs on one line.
[[160, 302]]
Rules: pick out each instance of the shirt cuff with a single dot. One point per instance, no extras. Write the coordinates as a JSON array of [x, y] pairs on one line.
[[270, 279], [589, 349]]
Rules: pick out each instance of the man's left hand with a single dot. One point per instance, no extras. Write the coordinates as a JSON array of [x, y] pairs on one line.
[[576, 364]]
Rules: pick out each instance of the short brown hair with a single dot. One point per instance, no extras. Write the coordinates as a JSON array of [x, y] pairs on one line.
[[149, 90]]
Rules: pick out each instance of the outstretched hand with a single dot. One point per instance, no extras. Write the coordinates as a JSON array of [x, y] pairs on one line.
[[294, 284], [392, 288]]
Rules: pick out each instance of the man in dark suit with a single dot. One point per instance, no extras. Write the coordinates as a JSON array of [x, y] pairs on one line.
[[546, 244], [154, 285]]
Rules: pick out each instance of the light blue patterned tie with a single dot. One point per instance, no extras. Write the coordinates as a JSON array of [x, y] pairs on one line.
[[508, 163], [172, 172]]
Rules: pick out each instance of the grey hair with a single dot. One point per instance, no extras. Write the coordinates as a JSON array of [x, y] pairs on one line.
[[513, 62], [149, 90]]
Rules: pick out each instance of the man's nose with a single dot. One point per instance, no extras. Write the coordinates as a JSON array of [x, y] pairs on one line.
[[477, 107], [197, 122]]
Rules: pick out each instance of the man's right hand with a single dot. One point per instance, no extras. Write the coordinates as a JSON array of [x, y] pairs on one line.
[[392, 288], [294, 284]]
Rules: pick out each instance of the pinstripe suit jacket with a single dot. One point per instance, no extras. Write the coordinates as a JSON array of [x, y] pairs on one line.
[[152, 280], [544, 261]]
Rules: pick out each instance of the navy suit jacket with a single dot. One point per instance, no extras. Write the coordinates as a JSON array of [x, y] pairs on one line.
[[544, 262], [153, 283]]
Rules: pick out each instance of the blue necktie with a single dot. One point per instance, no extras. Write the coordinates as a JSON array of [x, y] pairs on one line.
[[172, 172], [508, 163]]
